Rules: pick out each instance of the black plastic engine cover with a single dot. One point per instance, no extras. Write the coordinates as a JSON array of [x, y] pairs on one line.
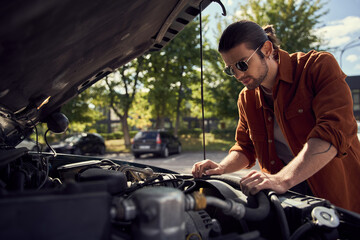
[[68, 214]]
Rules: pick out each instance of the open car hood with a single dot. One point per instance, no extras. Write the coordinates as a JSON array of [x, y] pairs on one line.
[[50, 51]]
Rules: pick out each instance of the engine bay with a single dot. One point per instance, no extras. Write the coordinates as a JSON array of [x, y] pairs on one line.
[[43, 196]]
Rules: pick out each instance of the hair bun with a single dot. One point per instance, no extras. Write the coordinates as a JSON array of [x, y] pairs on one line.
[[269, 29], [270, 32]]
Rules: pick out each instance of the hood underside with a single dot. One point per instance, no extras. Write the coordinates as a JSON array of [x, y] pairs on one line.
[[50, 51]]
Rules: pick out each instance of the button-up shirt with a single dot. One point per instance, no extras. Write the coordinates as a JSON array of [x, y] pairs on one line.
[[311, 100]]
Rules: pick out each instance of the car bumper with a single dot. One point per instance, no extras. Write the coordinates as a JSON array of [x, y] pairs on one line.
[[140, 150]]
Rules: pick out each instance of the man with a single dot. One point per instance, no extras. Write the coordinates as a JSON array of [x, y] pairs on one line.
[[295, 117]]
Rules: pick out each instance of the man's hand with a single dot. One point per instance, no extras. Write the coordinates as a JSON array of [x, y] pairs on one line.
[[256, 181], [315, 154], [207, 167]]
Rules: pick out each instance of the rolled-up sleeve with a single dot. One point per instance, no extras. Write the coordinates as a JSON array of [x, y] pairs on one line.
[[332, 105], [243, 142]]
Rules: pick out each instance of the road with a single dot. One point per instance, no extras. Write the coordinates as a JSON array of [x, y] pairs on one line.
[[181, 163]]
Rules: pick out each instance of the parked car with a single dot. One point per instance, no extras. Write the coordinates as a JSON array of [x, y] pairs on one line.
[[50, 52], [81, 144], [156, 142], [29, 144]]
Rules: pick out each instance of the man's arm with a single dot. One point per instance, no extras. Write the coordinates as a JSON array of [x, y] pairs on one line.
[[234, 161], [315, 154]]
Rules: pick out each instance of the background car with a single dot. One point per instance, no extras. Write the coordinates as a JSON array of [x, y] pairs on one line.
[[156, 142], [29, 144], [80, 144], [51, 51]]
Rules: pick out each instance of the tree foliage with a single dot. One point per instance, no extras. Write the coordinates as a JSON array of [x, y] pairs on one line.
[[81, 112], [224, 89], [172, 71], [121, 87], [169, 80], [140, 112], [294, 23], [294, 20]]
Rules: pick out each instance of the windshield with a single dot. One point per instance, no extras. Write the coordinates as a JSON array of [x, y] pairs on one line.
[[72, 138], [145, 135]]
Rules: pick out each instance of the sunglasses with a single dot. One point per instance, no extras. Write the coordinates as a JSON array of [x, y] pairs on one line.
[[241, 65]]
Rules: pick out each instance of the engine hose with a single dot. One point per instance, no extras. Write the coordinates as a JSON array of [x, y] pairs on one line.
[[261, 212], [301, 230], [251, 214], [232, 181], [229, 206], [216, 202], [239, 211], [284, 227]]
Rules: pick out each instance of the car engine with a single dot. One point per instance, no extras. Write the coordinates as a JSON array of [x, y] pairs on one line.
[[43, 196]]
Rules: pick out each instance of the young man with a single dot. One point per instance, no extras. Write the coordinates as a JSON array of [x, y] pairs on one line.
[[295, 117]]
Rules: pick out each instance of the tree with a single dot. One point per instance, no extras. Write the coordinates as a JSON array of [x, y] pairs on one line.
[[224, 89], [81, 112], [119, 92], [172, 70], [294, 20], [294, 23], [140, 112]]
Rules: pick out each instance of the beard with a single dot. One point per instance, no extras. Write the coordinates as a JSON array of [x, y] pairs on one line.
[[255, 82]]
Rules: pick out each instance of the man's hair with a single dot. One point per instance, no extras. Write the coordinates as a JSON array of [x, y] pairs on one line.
[[250, 33]]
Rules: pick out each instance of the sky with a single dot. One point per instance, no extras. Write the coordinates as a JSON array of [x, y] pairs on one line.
[[340, 28]]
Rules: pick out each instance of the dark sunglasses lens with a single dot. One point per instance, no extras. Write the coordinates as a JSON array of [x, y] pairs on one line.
[[228, 71], [242, 66]]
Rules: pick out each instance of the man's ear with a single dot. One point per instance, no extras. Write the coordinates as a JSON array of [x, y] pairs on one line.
[[267, 49]]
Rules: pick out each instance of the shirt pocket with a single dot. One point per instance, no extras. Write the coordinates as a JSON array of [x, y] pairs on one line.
[[298, 106], [300, 118]]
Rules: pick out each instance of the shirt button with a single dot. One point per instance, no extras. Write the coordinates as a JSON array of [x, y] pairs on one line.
[[269, 119], [300, 110], [269, 141], [272, 162]]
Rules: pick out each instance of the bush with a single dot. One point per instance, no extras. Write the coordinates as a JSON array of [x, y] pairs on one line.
[[132, 133], [117, 135], [111, 136], [106, 136], [224, 133], [194, 132]]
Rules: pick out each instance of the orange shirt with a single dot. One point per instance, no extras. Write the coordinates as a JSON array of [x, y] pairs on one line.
[[311, 100]]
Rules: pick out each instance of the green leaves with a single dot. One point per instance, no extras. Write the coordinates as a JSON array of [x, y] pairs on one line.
[[171, 72], [294, 21], [166, 84]]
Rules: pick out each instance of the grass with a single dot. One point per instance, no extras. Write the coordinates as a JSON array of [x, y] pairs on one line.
[[116, 145], [211, 143], [188, 144]]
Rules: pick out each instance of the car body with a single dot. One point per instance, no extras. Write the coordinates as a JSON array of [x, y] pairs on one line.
[[50, 52], [156, 142], [80, 144], [29, 144]]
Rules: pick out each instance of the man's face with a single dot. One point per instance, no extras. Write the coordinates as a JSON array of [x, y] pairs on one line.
[[257, 70]]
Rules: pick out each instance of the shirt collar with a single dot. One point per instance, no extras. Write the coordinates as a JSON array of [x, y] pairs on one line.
[[258, 98], [285, 73], [285, 69]]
